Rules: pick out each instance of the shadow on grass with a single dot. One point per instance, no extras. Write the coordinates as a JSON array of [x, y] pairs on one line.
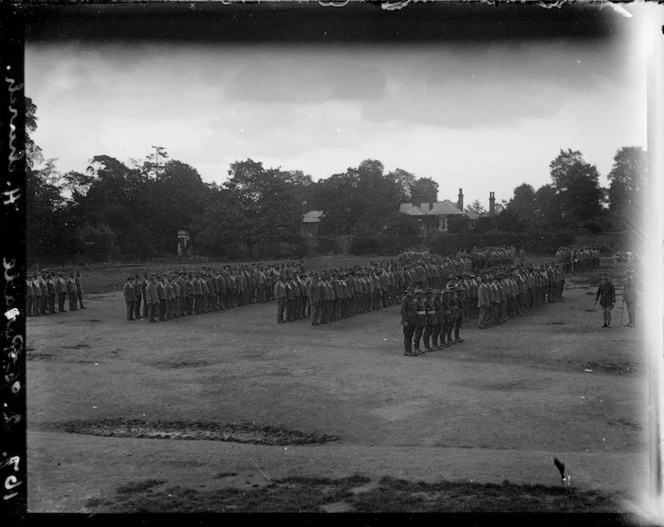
[[300, 494]]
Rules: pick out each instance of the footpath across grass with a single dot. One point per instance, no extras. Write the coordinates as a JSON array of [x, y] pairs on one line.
[[356, 493]]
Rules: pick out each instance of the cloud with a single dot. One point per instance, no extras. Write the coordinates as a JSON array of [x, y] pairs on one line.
[[279, 78]]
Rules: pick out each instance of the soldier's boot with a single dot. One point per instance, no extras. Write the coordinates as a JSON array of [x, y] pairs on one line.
[[426, 344], [408, 348]]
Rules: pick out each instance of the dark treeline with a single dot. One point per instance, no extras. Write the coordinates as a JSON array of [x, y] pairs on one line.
[[116, 209]]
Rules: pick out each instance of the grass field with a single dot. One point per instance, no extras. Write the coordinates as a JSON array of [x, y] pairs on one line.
[[228, 411]]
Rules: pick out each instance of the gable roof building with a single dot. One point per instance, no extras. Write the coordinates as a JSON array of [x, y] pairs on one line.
[[310, 220]]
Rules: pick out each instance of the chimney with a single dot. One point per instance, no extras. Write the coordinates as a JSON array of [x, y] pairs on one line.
[[492, 204], [460, 200]]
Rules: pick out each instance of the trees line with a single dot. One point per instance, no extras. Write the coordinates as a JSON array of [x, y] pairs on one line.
[[136, 208]]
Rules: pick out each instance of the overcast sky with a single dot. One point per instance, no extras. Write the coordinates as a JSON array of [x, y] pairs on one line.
[[484, 117]]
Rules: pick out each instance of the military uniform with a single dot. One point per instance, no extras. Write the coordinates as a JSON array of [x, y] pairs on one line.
[[420, 322], [409, 321], [281, 295], [606, 294], [431, 319], [128, 291]]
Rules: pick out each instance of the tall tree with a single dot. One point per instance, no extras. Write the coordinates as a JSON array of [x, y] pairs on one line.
[[548, 214], [424, 190], [523, 203], [627, 177], [267, 207], [404, 180], [577, 184], [476, 207]]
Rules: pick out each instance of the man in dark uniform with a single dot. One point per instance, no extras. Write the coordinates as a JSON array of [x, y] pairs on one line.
[[431, 319], [606, 294], [452, 313], [420, 322], [459, 293], [438, 308], [138, 292], [129, 297], [408, 320]]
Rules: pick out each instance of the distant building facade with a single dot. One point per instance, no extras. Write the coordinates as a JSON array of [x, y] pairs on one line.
[[436, 217], [184, 243], [310, 222]]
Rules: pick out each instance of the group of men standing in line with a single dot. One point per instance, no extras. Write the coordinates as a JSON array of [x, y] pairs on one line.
[[494, 296], [474, 260], [576, 259], [46, 293], [329, 295], [182, 293]]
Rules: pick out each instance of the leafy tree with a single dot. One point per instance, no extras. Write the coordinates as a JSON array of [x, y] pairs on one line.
[[476, 207], [404, 181], [48, 232], [399, 224], [548, 214], [577, 184], [264, 205], [508, 221], [424, 190], [358, 200], [523, 203], [627, 179], [34, 155], [49, 228]]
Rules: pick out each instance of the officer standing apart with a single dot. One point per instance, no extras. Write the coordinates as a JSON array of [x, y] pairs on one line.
[[606, 294], [408, 320]]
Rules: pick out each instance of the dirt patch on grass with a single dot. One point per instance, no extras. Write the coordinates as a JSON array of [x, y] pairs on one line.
[[617, 367], [242, 432], [76, 347], [167, 365], [39, 356], [299, 494]]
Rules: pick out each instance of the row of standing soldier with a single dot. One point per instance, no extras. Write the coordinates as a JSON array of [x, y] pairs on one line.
[[576, 259], [182, 293], [334, 294], [46, 293], [495, 297]]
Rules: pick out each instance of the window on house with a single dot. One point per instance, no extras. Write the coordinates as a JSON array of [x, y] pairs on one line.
[[442, 223]]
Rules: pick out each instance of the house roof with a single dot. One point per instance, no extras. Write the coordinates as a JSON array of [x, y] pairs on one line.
[[444, 208], [312, 216], [472, 215], [414, 211]]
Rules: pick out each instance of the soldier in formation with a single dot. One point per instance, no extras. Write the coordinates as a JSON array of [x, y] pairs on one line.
[[46, 293], [576, 259], [180, 293], [510, 292]]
